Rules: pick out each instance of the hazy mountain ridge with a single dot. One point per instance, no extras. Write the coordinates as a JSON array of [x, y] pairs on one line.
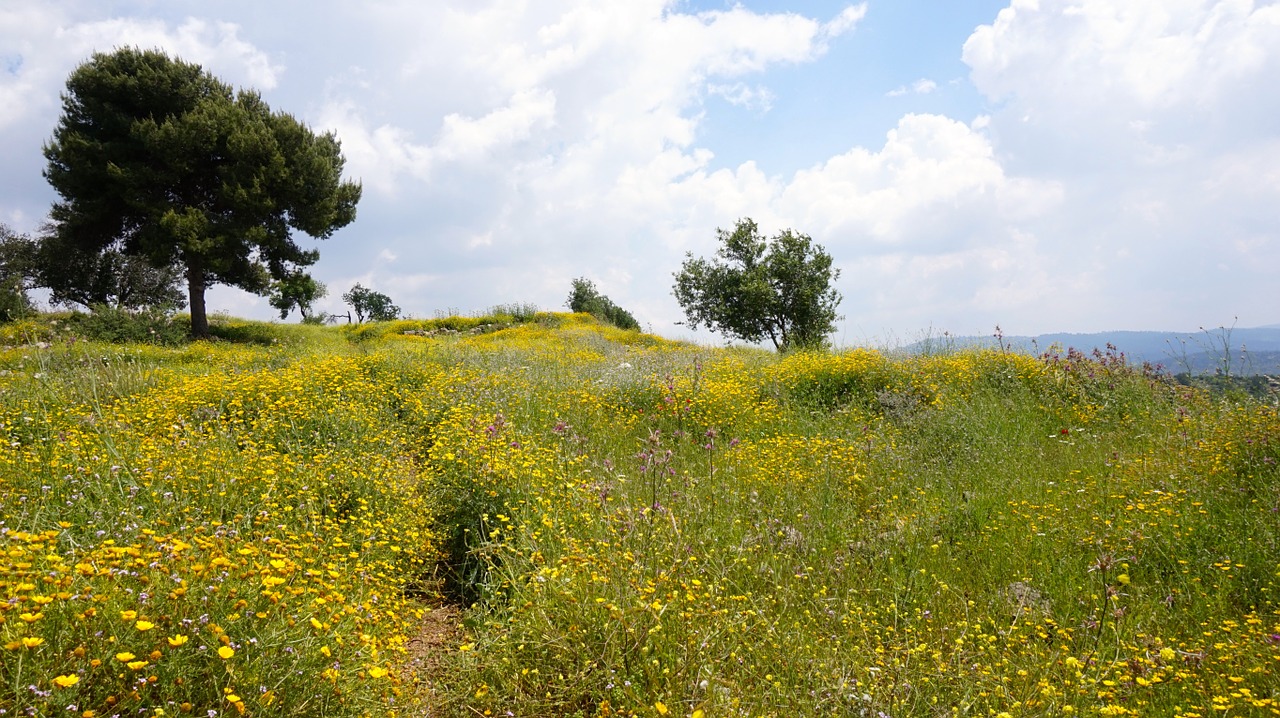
[[1254, 350]]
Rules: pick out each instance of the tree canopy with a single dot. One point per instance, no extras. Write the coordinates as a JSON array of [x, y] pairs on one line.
[[156, 158], [297, 290], [779, 289], [376, 306]]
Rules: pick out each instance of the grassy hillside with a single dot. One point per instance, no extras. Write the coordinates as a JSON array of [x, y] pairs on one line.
[[630, 526]]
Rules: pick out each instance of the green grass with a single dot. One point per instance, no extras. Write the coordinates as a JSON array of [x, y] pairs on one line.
[[632, 526]]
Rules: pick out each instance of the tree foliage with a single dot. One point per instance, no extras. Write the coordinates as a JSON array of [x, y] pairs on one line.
[[584, 297], [107, 277], [375, 306], [104, 278], [779, 289], [156, 158], [297, 290], [16, 252]]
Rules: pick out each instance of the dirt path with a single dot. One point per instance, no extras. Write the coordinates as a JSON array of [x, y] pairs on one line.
[[439, 633]]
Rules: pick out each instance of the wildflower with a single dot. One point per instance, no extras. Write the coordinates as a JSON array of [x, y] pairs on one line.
[[125, 657], [136, 665], [31, 641], [144, 625], [1167, 654], [378, 672], [660, 707], [31, 617], [66, 681], [177, 640], [225, 652], [128, 615], [1123, 579]]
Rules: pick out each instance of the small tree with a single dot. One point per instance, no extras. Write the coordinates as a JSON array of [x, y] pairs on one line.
[[374, 305], [585, 298], [299, 290], [778, 289]]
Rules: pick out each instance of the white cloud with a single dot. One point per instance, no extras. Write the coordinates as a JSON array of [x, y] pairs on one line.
[[602, 86], [1158, 119], [922, 86], [758, 98], [1167, 70], [214, 45], [467, 138], [43, 45], [845, 21]]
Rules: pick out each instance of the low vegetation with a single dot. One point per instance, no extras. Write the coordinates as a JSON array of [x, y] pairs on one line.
[[257, 526]]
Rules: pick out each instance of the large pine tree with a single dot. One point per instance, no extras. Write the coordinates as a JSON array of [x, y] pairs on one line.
[[157, 158]]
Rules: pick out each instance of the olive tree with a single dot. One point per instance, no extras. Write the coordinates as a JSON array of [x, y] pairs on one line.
[[158, 159], [756, 289], [368, 303], [297, 290]]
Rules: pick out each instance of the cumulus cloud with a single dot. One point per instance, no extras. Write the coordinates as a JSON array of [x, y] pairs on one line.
[[43, 44], [1154, 75], [1154, 116], [600, 84]]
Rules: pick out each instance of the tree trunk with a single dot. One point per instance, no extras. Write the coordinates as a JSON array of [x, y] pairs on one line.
[[195, 297]]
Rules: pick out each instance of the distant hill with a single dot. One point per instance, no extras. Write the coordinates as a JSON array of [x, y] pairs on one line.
[[1249, 350]]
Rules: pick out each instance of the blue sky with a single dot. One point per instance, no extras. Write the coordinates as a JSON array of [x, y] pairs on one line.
[[824, 107], [1046, 165]]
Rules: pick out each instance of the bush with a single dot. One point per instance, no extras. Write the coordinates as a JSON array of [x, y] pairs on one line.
[[118, 326], [584, 297]]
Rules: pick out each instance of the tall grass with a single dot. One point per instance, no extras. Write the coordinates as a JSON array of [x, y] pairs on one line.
[[632, 527]]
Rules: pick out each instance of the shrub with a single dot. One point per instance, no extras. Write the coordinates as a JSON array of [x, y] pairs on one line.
[[108, 324]]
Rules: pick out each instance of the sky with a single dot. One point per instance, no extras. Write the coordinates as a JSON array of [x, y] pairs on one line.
[[1041, 165]]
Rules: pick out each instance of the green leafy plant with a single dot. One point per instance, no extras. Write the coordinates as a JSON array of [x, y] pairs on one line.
[[756, 289]]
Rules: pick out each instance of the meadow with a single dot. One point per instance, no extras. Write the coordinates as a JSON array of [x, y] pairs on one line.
[[265, 525]]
